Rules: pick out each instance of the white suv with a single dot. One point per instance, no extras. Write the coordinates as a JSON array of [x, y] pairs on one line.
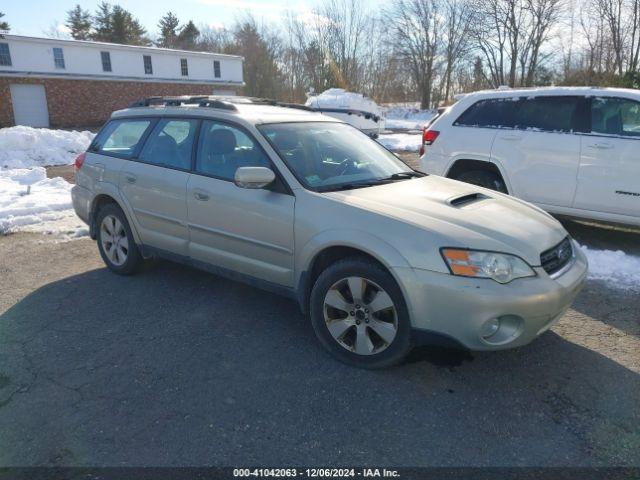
[[571, 151]]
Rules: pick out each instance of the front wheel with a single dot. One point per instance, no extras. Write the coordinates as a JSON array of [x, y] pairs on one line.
[[483, 178], [359, 314]]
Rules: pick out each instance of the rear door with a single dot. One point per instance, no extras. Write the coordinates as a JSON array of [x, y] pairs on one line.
[[609, 178], [243, 230], [541, 153], [155, 184]]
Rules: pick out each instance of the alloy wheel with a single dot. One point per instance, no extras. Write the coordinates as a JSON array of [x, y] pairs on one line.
[[360, 315], [114, 240]]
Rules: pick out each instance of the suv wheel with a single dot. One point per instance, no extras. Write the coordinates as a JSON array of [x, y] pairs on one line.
[[115, 241], [483, 178], [359, 315]]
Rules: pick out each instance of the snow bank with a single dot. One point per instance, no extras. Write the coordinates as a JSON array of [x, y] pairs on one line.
[[401, 142], [616, 268], [29, 201], [24, 147], [407, 115]]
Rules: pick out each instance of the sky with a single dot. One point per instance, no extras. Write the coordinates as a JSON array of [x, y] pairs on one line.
[[37, 17]]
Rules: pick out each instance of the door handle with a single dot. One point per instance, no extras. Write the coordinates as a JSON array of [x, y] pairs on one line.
[[198, 195], [601, 146], [130, 178]]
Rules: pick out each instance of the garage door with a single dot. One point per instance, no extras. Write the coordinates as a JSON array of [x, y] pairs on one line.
[[29, 105]]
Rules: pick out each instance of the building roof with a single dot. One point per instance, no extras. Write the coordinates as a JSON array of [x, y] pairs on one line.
[[115, 46]]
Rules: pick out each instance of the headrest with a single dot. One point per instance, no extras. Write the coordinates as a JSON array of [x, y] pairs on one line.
[[221, 141]]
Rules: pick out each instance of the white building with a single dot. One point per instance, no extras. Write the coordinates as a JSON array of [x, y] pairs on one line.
[[62, 83]]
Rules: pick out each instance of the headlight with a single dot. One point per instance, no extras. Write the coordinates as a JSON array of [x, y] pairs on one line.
[[500, 267]]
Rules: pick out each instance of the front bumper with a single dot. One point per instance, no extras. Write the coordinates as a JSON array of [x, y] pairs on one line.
[[459, 307]]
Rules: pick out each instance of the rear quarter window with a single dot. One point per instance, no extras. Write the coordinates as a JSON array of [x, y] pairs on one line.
[[491, 113], [121, 137]]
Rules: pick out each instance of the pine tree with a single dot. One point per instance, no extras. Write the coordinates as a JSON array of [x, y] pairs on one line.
[[168, 26], [4, 25], [116, 25], [79, 22], [188, 37], [102, 23]]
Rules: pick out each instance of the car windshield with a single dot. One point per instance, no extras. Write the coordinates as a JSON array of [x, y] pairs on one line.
[[327, 156]]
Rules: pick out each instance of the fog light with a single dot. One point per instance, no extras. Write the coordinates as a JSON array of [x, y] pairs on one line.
[[489, 328]]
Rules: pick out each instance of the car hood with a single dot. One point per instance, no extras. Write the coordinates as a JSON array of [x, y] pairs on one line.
[[465, 216]]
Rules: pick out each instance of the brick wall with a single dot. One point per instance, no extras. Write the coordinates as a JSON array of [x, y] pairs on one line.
[[87, 103]]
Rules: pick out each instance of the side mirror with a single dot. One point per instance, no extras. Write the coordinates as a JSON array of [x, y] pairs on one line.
[[254, 177]]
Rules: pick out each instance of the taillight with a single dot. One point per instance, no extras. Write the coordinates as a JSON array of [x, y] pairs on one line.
[[428, 137], [80, 160]]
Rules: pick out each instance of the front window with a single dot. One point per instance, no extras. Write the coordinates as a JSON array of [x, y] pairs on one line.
[[328, 156], [184, 68], [216, 69], [58, 57], [615, 116]]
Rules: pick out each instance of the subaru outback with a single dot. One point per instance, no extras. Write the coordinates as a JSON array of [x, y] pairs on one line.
[[381, 257]]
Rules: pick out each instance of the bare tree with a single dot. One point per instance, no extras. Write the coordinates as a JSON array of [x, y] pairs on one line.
[[416, 25]]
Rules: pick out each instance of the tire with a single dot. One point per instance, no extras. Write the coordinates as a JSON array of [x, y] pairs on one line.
[[122, 257], [483, 178], [355, 339]]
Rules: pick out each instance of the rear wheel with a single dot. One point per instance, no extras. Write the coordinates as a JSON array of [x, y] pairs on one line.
[[483, 178], [359, 315], [115, 241]]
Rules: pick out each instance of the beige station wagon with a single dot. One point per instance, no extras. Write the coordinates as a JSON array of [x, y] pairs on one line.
[[380, 256]]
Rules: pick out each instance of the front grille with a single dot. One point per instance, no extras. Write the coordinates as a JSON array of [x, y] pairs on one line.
[[554, 259]]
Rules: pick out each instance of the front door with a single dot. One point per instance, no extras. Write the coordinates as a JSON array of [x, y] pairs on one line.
[[609, 178], [155, 185], [243, 230]]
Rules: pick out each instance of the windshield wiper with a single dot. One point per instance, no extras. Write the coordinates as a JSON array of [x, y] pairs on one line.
[[371, 183], [404, 175], [350, 186]]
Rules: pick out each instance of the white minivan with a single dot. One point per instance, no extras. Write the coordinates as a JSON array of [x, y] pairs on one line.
[[571, 151]]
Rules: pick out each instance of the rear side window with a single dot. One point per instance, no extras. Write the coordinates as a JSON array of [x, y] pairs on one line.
[[492, 113], [222, 149], [170, 144], [549, 114], [120, 137], [615, 116]]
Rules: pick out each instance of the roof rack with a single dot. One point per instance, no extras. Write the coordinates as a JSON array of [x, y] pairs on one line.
[[213, 101], [200, 100]]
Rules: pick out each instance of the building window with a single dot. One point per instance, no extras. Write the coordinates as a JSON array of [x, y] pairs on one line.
[[184, 68], [5, 55], [148, 68], [58, 57], [106, 61], [216, 68]]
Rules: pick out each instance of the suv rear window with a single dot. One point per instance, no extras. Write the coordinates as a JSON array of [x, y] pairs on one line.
[[493, 113], [120, 137]]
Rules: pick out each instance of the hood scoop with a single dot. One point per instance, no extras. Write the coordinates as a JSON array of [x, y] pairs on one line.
[[465, 200]]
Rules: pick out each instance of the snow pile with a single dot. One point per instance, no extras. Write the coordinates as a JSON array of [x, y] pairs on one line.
[[29, 201], [401, 142], [616, 268], [407, 116], [340, 98], [24, 147]]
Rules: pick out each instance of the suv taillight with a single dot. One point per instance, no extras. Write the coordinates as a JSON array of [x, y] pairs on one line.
[[428, 137], [80, 160]]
